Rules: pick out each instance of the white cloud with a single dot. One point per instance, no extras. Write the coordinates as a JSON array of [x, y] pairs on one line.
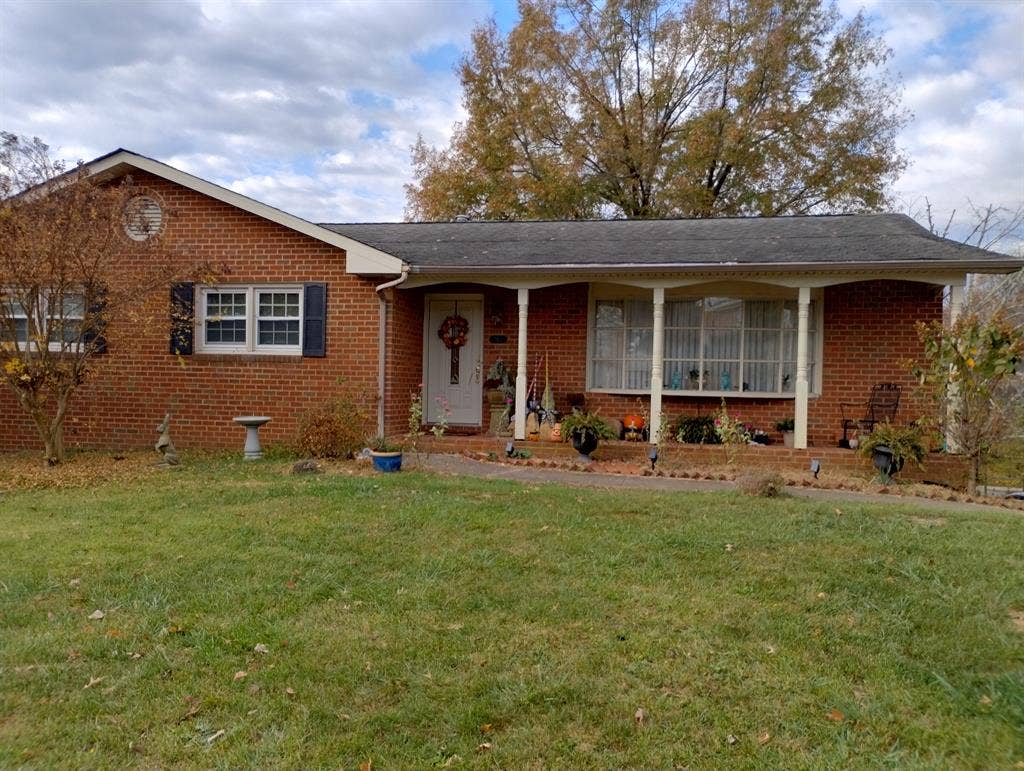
[[251, 96], [313, 107]]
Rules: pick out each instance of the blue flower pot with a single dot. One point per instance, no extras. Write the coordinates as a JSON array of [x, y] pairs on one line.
[[387, 461]]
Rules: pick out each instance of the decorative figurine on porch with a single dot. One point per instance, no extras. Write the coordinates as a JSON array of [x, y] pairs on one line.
[[164, 445]]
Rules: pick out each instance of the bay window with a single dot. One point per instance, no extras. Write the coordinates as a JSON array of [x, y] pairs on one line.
[[250, 319], [713, 345]]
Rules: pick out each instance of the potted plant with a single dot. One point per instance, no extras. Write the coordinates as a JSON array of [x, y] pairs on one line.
[[584, 430], [498, 384], [386, 457], [785, 427], [890, 447]]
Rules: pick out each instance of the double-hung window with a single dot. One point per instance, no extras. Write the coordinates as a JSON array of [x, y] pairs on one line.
[[59, 323], [713, 345], [250, 319]]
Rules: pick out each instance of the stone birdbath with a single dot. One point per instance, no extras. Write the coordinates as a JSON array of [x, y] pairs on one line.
[[252, 424]]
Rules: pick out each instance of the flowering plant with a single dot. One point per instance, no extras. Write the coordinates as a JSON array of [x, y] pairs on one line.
[[730, 429], [441, 425]]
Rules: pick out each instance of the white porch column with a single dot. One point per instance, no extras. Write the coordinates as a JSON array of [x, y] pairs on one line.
[[956, 305], [521, 374], [657, 363], [802, 388], [956, 302]]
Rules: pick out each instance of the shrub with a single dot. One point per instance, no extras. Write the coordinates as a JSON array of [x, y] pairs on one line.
[[761, 484], [335, 429], [698, 430]]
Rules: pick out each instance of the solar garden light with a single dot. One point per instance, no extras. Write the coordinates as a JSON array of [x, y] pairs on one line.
[[652, 455], [510, 448], [815, 466]]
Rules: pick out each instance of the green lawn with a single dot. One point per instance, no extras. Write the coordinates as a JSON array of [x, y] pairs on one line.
[[410, 619]]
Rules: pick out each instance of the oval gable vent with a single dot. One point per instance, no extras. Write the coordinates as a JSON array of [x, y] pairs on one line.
[[143, 219]]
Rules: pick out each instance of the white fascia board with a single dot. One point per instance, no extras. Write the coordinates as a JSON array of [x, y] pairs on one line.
[[360, 258]]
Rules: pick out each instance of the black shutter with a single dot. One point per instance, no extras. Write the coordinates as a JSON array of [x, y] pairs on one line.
[[94, 336], [314, 320], [182, 317]]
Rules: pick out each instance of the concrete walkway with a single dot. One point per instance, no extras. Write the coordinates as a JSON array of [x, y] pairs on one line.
[[459, 465]]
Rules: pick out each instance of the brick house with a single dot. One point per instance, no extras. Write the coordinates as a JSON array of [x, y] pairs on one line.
[[785, 317]]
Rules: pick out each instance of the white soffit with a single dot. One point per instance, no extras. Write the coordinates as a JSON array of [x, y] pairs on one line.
[[360, 258]]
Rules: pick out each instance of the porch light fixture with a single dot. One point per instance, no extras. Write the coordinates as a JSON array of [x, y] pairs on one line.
[[652, 455], [815, 467]]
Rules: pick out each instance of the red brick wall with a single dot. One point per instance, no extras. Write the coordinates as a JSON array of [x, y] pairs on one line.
[[869, 336], [138, 380]]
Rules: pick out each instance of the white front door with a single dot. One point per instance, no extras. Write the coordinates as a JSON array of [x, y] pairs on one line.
[[454, 374]]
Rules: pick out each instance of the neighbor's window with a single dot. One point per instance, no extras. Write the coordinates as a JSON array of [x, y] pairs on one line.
[[714, 345], [251, 319]]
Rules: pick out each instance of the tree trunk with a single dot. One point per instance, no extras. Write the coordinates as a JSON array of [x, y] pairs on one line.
[[972, 475]]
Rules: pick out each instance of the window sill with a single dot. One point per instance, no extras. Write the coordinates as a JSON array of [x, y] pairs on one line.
[[706, 394], [212, 357]]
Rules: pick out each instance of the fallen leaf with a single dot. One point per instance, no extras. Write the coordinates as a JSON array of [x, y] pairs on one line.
[[640, 716], [291, 585], [835, 716], [93, 681], [764, 738], [366, 765], [136, 656], [216, 736], [451, 761], [240, 675], [729, 547], [192, 712], [96, 615], [985, 701], [731, 739], [289, 691], [483, 746], [839, 512], [115, 633], [822, 595], [486, 728], [75, 582], [261, 648]]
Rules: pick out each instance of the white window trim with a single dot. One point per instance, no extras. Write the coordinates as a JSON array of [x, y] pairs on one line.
[[818, 320], [251, 345]]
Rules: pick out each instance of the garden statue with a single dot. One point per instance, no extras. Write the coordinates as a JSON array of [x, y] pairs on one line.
[[164, 445]]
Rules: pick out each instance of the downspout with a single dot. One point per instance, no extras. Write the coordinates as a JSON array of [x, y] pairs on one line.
[[382, 344]]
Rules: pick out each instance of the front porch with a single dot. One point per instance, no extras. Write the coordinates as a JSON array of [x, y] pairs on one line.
[[774, 348]]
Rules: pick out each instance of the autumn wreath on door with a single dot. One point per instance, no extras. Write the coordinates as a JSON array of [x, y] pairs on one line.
[[453, 332]]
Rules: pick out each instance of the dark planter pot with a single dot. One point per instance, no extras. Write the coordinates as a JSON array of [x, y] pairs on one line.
[[584, 442], [885, 463], [387, 461]]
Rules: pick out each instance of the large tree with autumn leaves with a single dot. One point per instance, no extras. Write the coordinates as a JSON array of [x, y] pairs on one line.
[[650, 108]]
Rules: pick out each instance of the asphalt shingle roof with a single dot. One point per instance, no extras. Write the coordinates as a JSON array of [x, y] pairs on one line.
[[827, 240]]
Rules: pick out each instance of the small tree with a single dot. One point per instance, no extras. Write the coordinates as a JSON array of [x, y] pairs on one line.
[[67, 271], [967, 370]]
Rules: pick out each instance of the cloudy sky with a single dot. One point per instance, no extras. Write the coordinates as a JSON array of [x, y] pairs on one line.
[[312, 107]]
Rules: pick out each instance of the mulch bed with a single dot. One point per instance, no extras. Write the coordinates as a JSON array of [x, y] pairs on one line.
[[825, 481]]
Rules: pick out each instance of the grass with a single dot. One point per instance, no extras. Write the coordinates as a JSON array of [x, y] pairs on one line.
[[412, 620], [1006, 465]]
